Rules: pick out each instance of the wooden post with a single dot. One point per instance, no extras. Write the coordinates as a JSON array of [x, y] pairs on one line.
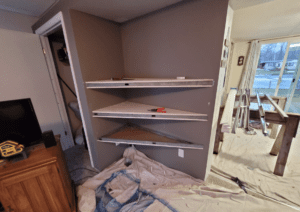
[[277, 145], [219, 134], [277, 107], [289, 132], [226, 119], [273, 134]]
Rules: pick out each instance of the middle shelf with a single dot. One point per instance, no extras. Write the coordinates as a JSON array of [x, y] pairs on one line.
[[132, 110]]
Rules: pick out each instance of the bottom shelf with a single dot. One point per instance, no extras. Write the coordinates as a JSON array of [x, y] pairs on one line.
[[131, 134]]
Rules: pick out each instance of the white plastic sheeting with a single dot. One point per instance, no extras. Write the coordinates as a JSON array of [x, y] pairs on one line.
[[247, 157], [181, 191]]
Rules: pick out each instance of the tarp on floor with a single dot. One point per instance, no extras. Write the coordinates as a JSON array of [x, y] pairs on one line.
[[181, 191]]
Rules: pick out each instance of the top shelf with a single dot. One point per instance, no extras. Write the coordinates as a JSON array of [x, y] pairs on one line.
[[150, 83]]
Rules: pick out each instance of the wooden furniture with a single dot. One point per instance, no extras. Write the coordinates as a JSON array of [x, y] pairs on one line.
[[131, 110], [39, 183], [284, 139], [280, 101]]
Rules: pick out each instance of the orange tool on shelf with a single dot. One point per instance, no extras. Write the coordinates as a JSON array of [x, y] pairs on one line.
[[159, 110]]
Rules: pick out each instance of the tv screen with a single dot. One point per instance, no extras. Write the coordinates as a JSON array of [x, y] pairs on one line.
[[18, 122]]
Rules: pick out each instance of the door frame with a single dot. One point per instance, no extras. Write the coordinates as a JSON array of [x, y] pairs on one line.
[[46, 29]]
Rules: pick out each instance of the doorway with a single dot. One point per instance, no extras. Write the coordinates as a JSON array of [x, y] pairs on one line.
[[54, 31], [64, 75]]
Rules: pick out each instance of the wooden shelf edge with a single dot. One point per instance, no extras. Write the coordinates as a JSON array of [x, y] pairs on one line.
[[152, 143], [131, 110], [150, 83], [145, 117]]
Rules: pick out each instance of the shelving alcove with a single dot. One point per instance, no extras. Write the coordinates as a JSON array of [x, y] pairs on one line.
[[135, 135]]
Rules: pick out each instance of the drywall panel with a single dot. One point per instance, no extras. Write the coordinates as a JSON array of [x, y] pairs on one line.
[[24, 74], [15, 21], [182, 41], [99, 48]]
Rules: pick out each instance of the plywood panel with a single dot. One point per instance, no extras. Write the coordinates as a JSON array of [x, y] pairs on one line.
[[140, 136]]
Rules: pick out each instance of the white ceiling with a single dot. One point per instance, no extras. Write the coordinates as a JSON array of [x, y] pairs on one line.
[[253, 19], [274, 19], [239, 4], [120, 10], [27, 7], [115, 10]]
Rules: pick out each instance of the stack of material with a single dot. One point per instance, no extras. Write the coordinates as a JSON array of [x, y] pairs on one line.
[[228, 111]]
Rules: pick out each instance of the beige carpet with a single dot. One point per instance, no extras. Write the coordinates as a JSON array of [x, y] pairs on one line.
[[79, 165], [247, 157]]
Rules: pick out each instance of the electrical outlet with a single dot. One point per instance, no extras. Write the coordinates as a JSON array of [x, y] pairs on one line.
[[181, 153]]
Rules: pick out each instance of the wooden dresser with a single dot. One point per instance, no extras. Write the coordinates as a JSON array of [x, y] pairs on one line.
[[40, 183]]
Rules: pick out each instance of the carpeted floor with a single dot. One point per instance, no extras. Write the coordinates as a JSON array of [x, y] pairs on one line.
[[79, 166]]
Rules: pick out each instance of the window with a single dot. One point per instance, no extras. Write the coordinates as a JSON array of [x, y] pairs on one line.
[[277, 73]]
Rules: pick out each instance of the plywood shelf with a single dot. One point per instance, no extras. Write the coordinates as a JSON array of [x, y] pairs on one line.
[[139, 136], [150, 83], [131, 110]]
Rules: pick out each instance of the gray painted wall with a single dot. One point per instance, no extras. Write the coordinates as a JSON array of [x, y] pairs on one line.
[[15, 21], [182, 41], [24, 74], [99, 47], [64, 7]]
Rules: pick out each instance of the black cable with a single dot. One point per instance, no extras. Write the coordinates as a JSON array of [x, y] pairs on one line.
[[82, 179], [84, 168], [67, 85]]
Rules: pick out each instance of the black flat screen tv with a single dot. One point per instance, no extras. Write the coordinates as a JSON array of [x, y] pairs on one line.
[[18, 122]]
